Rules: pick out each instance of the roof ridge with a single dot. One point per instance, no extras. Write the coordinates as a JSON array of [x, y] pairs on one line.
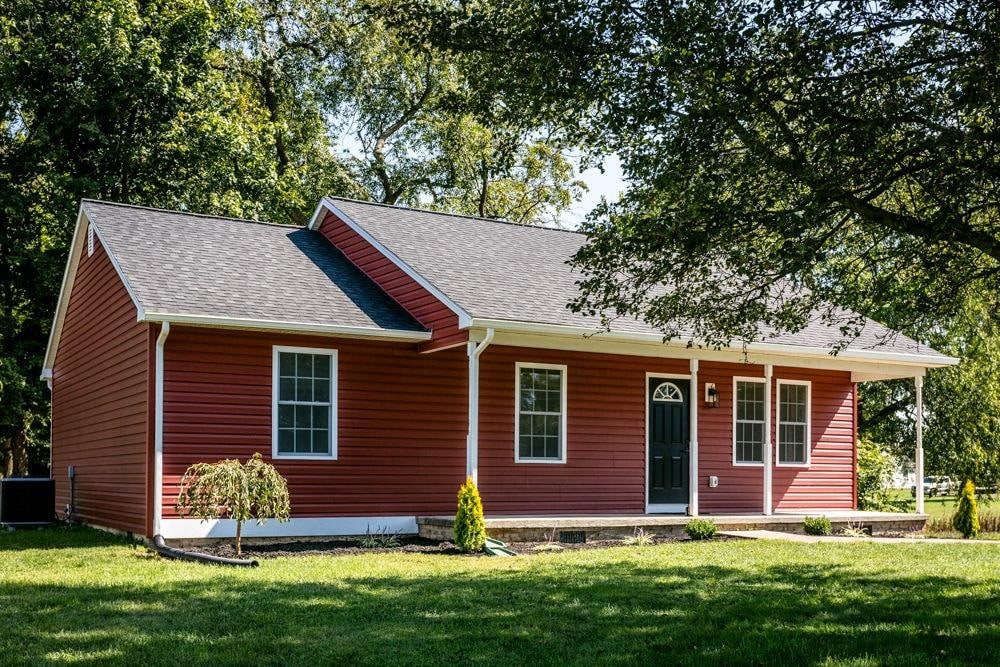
[[189, 213], [477, 218]]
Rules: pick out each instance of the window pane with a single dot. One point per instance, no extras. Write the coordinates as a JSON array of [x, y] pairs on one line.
[[304, 365], [552, 425], [320, 416], [524, 446], [524, 428], [303, 441], [303, 416], [286, 440], [321, 441], [286, 416], [552, 447], [528, 399], [286, 364], [286, 389], [321, 366], [321, 391]]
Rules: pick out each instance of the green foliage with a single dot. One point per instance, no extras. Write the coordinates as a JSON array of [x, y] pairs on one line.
[[380, 539], [817, 525], [701, 529], [966, 520], [785, 159], [875, 469], [234, 490], [470, 524], [640, 538]]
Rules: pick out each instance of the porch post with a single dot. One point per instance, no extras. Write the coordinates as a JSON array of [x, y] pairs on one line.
[[919, 463], [693, 477], [768, 499]]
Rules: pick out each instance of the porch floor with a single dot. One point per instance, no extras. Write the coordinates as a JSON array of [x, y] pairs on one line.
[[578, 528]]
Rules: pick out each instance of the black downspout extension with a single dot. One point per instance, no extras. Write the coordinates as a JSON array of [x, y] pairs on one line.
[[179, 554]]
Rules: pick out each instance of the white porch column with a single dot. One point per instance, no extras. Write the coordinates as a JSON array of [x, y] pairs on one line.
[[768, 495], [919, 463], [694, 479]]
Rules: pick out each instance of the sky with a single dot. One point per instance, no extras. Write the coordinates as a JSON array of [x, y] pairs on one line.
[[609, 185]]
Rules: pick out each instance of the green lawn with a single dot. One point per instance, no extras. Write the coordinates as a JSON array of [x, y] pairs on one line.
[[74, 595]]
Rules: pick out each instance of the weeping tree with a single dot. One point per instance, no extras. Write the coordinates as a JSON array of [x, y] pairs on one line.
[[234, 490]]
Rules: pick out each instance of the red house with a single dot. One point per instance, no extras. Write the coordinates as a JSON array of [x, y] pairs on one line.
[[382, 354]]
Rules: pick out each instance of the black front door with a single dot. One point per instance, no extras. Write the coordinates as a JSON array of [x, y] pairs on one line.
[[669, 437]]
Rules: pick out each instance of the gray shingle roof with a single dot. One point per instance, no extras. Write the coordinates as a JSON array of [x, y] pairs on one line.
[[503, 271], [188, 264]]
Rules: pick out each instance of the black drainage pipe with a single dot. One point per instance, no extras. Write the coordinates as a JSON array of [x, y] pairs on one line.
[[179, 554]]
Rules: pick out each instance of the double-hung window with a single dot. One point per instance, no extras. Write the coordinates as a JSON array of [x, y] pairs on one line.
[[793, 422], [304, 403], [749, 422], [541, 413]]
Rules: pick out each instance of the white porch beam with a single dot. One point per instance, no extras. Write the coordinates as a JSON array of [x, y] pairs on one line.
[[919, 458], [693, 476], [768, 492]]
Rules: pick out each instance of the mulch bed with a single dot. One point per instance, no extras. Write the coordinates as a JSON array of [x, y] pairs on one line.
[[346, 547]]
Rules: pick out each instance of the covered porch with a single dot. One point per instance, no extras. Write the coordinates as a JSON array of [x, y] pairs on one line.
[[571, 529]]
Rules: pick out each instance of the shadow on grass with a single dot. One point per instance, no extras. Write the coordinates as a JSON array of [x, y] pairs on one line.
[[556, 610]]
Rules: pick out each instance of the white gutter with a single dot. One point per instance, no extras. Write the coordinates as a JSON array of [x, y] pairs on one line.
[[281, 325], [161, 341], [512, 326], [472, 439]]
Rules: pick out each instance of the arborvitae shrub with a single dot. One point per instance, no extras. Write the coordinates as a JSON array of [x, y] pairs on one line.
[[700, 529], [966, 519], [470, 526], [817, 525]]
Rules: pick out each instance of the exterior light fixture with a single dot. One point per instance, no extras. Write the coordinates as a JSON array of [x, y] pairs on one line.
[[711, 395]]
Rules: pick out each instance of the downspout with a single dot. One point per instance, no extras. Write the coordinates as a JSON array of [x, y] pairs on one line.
[[161, 341], [768, 454], [693, 475], [472, 438]]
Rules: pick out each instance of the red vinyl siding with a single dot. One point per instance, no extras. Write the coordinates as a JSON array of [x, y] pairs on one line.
[[605, 469], [100, 420], [828, 482], [408, 293], [401, 420]]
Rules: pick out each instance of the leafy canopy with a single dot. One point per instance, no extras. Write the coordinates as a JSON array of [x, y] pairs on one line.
[[783, 156]]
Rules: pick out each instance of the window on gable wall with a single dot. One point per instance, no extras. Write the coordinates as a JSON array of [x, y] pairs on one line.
[[305, 422]]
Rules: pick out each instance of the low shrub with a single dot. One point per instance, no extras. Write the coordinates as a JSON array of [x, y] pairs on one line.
[[817, 525], [380, 539], [700, 529], [966, 519], [470, 524]]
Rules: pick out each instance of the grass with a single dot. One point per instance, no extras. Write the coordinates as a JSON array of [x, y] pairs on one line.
[[79, 596]]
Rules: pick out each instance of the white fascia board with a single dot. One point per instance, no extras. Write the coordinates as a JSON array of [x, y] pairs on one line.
[[759, 353], [66, 289], [281, 325], [464, 318]]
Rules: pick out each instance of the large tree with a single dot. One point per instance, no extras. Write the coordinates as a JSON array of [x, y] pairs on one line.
[[783, 156], [233, 107]]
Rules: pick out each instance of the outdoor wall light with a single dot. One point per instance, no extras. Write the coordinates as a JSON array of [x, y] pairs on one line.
[[711, 395]]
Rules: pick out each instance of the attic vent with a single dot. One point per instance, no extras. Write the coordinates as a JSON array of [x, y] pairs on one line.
[[90, 240]]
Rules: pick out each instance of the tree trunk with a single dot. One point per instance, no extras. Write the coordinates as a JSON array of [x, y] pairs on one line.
[[239, 537]]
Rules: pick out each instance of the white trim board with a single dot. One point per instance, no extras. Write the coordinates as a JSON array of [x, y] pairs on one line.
[[464, 318], [300, 527], [219, 322]]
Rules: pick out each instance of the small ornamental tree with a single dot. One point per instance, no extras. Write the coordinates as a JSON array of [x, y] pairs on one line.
[[470, 526], [966, 520], [234, 490]]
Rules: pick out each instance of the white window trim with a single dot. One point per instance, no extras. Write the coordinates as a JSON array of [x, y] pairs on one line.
[[276, 374], [517, 412], [668, 400], [746, 464], [777, 422]]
